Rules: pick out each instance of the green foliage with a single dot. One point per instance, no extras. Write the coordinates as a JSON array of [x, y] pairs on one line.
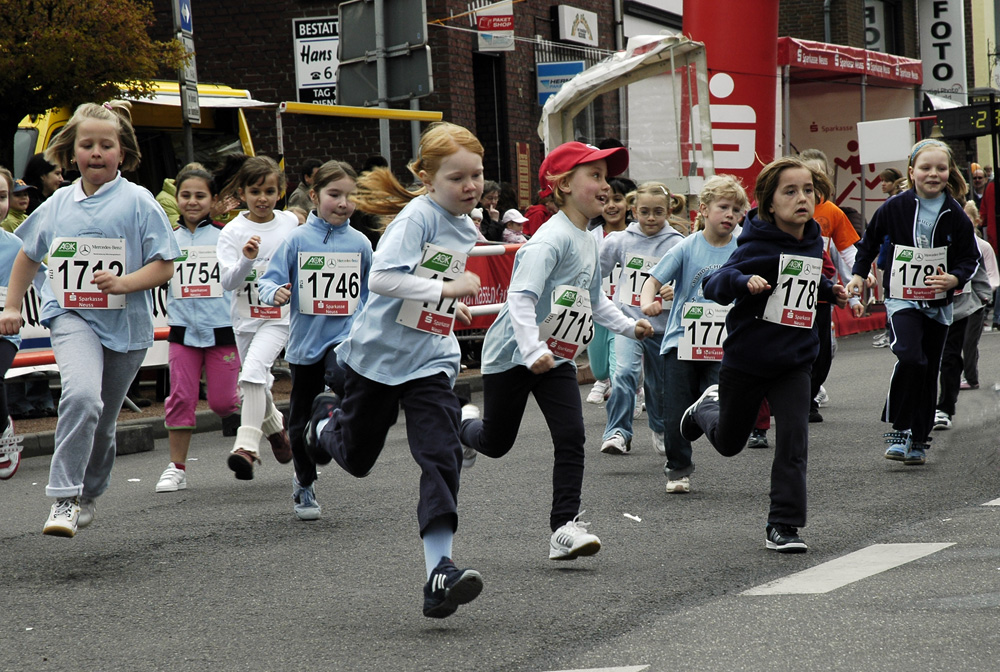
[[56, 53]]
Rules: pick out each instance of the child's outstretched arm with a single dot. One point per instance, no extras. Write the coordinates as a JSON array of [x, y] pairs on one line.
[[21, 273], [535, 353]]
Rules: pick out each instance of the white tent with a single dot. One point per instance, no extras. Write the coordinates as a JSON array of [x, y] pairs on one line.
[[646, 56]]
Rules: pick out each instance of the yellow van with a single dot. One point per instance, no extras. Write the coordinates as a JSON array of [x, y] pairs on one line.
[[160, 130]]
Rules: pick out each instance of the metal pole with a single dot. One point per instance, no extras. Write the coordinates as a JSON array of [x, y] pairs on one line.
[[864, 189], [383, 84], [786, 110], [188, 139], [414, 130]]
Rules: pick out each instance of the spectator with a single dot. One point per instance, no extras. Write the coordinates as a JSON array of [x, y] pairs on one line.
[[539, 213], [20, 199], [491, 227], [300, 197], [513, 222], [44, 177]]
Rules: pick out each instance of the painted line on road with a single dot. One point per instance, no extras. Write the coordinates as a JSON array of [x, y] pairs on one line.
[[634, 668], [847, 569], [995, 502]]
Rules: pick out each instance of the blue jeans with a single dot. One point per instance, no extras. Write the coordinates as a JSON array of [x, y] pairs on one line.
[[688, 380], [621, 404]]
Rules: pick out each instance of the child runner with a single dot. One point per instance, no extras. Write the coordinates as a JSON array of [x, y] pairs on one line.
[[637, 249], [10, 245], [555, 296], [105, 238], [245, 248], [689, 371], [601, 351], [321, 271], [930, 252], [773, 281], [402, 352], [201, 330]]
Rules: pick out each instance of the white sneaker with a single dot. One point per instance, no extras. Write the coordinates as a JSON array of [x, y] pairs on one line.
[[88, 509], [599, 392], [681, 486], [304, 501], [659, 444], [822, 398], [10, 451], [572, 541], [172, 479], [469, 412], [640, 403], [942, 420], [616, 445], [62, 518]]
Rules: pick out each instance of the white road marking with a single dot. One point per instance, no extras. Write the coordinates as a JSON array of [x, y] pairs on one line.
[[995, 502], [848, 569], [634, 668]]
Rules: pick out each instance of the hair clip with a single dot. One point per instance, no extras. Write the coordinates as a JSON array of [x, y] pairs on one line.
[[107, 106], [665, 192]]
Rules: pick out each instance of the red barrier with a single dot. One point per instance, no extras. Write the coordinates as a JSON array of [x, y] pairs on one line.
[[494, 274]]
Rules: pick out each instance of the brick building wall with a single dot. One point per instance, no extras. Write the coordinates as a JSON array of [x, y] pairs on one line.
[[804, 19], [249, 45]]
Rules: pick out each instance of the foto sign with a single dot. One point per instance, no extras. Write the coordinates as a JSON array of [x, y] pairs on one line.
[[315, 45], [942, 48]]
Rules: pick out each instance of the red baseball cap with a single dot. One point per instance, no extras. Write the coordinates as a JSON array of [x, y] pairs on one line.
[[569, 155]]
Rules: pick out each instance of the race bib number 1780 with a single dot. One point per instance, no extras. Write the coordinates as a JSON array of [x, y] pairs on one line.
[[910, 268]]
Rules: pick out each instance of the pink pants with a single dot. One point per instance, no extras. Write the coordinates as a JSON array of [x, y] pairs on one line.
[[222, 369]]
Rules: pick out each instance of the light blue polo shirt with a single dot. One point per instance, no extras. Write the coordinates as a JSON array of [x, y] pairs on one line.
[[558, 254], [380, 349], [118, 210], [688, 263]]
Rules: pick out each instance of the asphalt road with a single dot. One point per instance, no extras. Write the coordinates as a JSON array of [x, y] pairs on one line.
[[222, 576]]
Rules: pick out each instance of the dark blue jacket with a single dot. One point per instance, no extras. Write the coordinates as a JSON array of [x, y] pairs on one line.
[[895, 222], [752, 344]]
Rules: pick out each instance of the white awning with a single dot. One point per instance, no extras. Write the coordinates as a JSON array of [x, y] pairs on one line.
[[940, 103], [206, 100]]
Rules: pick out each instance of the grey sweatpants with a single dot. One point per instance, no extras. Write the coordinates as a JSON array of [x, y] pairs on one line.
[[95, 381]]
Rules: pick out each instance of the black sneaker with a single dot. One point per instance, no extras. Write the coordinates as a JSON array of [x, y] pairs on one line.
[[322, 407], [758, 439], [784, 539], [689, 428], [814, 415], [449, 587]]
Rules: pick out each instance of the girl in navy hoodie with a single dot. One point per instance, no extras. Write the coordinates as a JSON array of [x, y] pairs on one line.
[[927, 247], [773, 280]]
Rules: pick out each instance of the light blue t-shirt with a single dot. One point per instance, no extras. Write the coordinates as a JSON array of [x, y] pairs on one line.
[[199, 317], [558, 254], [119, 210], [687, 264], [310, 336], [928, 211], [380, 349]]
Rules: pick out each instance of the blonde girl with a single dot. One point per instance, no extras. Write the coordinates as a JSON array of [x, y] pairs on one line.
[[924, 221], [201, 331], [106, 238], [721, 204], [245, 247], [636, 250], [402, 351]]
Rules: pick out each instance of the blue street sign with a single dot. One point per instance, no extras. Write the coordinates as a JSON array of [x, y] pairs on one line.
[[183, 17]]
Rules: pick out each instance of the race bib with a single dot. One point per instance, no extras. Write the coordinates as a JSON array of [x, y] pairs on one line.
[[196, 274], [704, 332], [434, 318], [910, 268], [249, 305], [329, 283], [569, 327], [608, 283], [633, 276], [793, 298], [72, 264]]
